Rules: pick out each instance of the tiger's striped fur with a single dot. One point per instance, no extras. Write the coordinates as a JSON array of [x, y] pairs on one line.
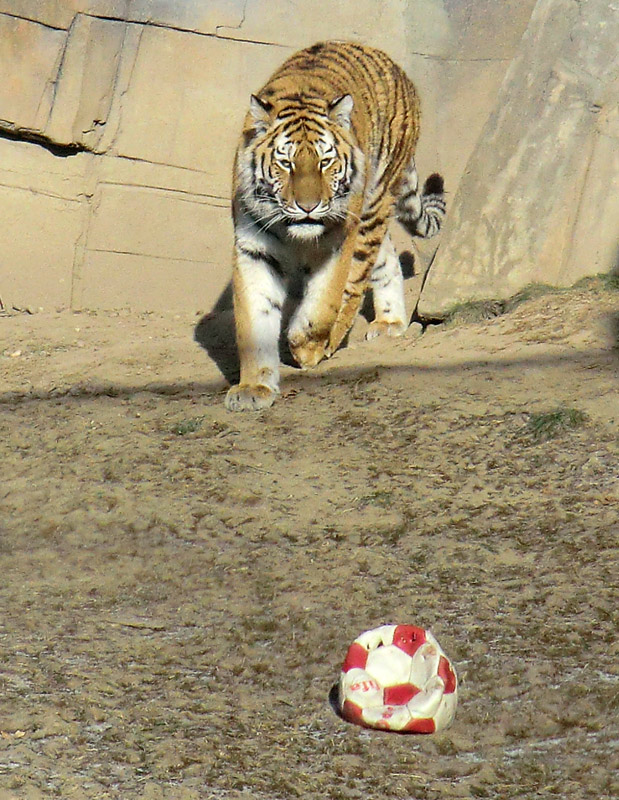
[[326, 158]]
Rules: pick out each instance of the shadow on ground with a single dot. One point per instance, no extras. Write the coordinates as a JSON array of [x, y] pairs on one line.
[[215, 331], [317, 377]]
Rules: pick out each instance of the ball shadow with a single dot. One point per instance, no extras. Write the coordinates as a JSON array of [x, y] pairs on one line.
[[334, 700]]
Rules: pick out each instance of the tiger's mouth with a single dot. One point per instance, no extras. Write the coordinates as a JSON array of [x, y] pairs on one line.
[[306, 228], [308, 220]]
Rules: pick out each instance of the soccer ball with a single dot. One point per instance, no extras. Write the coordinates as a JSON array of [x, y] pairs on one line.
[[397, 678]]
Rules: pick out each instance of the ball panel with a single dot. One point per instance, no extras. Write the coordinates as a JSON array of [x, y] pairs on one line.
[[356, 656], [399, 695], [427, 702], [446, 672], [389, 718], [361, 688], [420, 726], [376, 637], [352, 712], [389, 665], [446, 712], [424, 665], [409, 638]]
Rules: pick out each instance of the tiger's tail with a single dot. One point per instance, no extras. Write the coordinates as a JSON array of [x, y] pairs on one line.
[[421, 214]]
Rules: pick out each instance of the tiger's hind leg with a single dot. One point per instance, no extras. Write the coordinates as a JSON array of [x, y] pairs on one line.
[[421, 214], [387, 284]]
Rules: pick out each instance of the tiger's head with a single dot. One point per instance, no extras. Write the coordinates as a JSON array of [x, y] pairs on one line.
[[299, 164]]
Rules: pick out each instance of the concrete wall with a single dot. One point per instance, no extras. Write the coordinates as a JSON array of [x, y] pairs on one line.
[[119, 120], [540, 198]]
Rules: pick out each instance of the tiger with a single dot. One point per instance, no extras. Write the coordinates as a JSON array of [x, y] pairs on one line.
[[325, 160]]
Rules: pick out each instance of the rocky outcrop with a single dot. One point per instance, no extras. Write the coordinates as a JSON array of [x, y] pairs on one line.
[[119, 119], [539, 199]]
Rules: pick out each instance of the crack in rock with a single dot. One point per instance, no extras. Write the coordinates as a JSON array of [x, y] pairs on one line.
[[60, 149]]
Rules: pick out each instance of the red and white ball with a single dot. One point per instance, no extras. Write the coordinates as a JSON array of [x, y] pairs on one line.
[[397, 678]]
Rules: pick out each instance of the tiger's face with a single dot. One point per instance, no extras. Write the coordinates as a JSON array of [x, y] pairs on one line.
[[301, 167]]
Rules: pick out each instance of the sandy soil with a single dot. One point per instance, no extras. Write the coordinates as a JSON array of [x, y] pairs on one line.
[[180, 584]]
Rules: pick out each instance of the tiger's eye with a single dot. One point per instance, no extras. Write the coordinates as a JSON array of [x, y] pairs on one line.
[[325, 163], [285, 164]]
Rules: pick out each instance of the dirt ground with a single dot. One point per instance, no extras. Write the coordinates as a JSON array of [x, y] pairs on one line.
[[179, 584]]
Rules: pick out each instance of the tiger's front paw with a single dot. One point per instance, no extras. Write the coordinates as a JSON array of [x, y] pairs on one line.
[[307, 352], [382, 328], [307, 348], [247, 397]]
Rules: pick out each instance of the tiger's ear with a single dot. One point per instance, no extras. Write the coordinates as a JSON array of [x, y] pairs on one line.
[[340, 110], [260, 111]]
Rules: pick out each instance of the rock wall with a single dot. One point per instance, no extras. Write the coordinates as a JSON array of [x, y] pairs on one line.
[[119, 119], [539, 200]]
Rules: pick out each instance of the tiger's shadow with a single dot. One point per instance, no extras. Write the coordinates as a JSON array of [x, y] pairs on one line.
[[215, 331]]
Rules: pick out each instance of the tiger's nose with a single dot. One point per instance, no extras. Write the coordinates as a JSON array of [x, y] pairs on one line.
[[308, 205]]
